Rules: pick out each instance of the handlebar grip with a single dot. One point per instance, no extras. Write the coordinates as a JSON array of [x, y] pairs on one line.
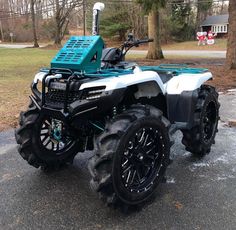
[[145, 41], [130, 44]]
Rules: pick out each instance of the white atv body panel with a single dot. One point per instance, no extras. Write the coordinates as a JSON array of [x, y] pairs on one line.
[[186, 82], [176, 85], [124, 81]]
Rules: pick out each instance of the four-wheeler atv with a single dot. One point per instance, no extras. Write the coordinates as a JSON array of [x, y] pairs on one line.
[[91, 99]]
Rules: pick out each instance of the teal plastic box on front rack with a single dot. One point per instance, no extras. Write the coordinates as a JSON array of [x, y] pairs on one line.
[[80, 54]]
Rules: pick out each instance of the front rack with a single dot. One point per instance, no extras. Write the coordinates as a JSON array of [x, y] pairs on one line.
[[52, 71]]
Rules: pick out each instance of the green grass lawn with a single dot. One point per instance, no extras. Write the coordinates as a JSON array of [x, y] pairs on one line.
[[22, 62], [220, 44], [17, 70]]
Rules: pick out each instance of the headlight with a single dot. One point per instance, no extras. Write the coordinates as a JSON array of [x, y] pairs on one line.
[[93, 93]]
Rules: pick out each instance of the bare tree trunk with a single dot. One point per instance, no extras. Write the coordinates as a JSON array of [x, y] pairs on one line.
[[231, 48], [199, 16], [1, 31], [57, 40], [62, 14], [137, 20], [154, 48], [33, 24], [222, 7]]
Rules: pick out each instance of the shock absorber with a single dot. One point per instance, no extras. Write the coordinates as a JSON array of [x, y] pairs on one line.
[[123, 108], [114, 111]]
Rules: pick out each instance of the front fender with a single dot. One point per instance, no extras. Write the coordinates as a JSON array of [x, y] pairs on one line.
[[123, 81]]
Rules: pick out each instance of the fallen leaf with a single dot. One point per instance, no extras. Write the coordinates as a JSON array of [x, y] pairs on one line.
[[178, 205], [232, 123]]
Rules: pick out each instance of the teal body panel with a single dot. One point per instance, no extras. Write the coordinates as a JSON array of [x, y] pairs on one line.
[[112, 72], [176, 69], [80, 53]]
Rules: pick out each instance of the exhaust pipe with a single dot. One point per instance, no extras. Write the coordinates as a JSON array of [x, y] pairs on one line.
[[98, 6]]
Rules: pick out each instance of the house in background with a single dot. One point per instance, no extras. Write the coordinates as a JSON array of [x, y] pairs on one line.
[[217, 24]]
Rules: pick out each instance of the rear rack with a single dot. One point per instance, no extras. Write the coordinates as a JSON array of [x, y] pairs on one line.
[[175, 69]]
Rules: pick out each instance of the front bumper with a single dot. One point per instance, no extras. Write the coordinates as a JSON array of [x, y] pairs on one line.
[[82, 108]]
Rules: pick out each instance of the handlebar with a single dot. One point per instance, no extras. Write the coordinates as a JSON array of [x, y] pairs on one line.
[[129, 44], [137, 42], [145, 41]]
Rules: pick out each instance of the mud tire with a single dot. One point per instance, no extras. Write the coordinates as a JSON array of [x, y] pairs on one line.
[[105, 166], [197, 140], [29, 147]]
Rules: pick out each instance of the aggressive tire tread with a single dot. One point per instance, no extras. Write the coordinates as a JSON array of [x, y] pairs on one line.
[[24, 138], [100, 166], [192, 139]]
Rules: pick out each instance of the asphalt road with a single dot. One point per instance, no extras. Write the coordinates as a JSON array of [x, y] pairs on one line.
[[16, 46], [185, 53], [199, 193]]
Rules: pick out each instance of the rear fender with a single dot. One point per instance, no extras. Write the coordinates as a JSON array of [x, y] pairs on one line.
[[186, 82]]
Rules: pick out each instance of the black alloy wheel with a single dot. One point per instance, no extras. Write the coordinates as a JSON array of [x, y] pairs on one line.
[[53, 136], [131, 157], [209, 121], [141, 160]]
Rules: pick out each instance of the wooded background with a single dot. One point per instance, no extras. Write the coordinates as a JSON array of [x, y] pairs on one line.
[[164, 20], [180, 19]]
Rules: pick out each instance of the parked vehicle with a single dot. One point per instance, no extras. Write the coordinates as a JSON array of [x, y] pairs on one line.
[[92, 99]]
